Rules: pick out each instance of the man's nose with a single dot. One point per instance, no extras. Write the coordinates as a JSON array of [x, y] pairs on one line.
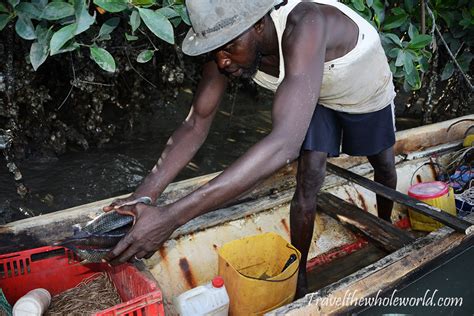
[[222, 59]]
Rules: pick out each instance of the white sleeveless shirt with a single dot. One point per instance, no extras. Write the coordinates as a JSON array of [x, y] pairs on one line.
[[358, 82]]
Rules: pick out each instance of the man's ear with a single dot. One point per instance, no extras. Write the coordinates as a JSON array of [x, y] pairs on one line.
[[260, 25]]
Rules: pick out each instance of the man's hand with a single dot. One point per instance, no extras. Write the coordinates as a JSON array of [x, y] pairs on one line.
[[153, 226], [127, 204]]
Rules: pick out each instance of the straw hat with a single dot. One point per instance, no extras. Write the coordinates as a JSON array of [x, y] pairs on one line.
[[216, 22]]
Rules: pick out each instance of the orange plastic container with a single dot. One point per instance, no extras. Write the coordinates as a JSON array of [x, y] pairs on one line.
[[57, 269]]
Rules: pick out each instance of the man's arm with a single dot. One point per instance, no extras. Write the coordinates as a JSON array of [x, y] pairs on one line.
[[188, 138]]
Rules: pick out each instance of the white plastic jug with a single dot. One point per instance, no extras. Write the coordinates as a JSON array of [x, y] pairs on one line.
[[204, 300]]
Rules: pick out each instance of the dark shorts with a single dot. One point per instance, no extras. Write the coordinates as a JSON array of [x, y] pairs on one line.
[[361, 134]]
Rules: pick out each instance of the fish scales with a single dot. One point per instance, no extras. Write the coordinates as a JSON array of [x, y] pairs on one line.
[[107, 222]]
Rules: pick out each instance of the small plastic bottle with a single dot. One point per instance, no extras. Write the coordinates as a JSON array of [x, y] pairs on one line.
[[33, 303], [205, 300]]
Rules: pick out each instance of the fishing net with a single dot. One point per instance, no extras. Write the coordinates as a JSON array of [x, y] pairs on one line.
[[93, 294], [465, 201]]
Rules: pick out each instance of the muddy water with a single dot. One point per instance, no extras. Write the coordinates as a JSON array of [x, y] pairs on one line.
[[81, 177]]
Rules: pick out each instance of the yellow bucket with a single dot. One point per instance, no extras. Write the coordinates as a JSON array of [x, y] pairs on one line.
[[254, 272], [434, 193]]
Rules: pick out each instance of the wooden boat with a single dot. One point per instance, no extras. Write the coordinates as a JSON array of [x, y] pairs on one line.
[[345, 224]]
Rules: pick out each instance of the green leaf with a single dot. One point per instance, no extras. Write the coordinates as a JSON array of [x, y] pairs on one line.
[[13, 3], [394, 21], [143, 3], [358, 5], [28, 10], [38, 54], [130, 38], [112, 5], [183, 13], [413, 79], [393, 53], [465, 60], [391, 38], [420, 41], [24, 28], [135, 20], [158, 24], [168, 12], [3, 8], [4, 19], [103, 58], [400, 58], [70, 46], [398, 11], [40, 4], [83, 19], [176, 21], [109, 26], [412, 31], [379, 9], [408, 63], [393, 68], [370, 3], [43, 34], [145, 56], [57, 10], [424, 64], [61, 37]]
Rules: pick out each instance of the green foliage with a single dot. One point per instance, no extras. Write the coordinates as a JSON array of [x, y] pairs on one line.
[[55, 26], [408, 51]]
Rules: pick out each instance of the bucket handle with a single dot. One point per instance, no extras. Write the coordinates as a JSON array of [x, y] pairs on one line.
[[254, 278]]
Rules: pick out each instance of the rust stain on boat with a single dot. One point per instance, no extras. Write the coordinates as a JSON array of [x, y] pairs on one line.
[[418, 178], [163, 255], [362, 201], [349, 196], [187, 273], [433, 170], [285, 225]]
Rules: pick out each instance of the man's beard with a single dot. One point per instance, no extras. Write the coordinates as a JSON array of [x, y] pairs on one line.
[[252, 70]]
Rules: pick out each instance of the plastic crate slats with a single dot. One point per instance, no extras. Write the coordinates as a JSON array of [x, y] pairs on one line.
[[58, 269]]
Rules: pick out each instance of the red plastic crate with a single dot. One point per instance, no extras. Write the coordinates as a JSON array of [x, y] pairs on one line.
[[57, 269]]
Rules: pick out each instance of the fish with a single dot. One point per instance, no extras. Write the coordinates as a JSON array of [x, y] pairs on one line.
[[91, 255], [97, 237], [106, 222], [85, 239]]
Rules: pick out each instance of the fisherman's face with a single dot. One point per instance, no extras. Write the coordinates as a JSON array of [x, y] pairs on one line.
[[240, 57]]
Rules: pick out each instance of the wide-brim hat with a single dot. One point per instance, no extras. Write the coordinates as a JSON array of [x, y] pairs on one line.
[[217, 22]]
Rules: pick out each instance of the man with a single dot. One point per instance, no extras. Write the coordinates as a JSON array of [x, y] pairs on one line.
[[331, 81]]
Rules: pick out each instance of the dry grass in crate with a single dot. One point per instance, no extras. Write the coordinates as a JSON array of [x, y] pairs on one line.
[[93, 294]]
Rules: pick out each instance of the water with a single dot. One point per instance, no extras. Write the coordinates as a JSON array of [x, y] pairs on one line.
[[81, 177]]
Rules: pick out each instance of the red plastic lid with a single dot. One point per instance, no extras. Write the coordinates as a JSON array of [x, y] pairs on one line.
[[218, 282], [428, 190]]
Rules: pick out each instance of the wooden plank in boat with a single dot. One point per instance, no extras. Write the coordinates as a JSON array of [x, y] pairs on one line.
[[381, 232]]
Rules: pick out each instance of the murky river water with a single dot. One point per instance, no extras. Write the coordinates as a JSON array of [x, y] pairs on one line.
[[81, 177]]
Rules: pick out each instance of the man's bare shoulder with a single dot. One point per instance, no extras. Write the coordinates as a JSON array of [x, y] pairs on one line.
[[305, 16]]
